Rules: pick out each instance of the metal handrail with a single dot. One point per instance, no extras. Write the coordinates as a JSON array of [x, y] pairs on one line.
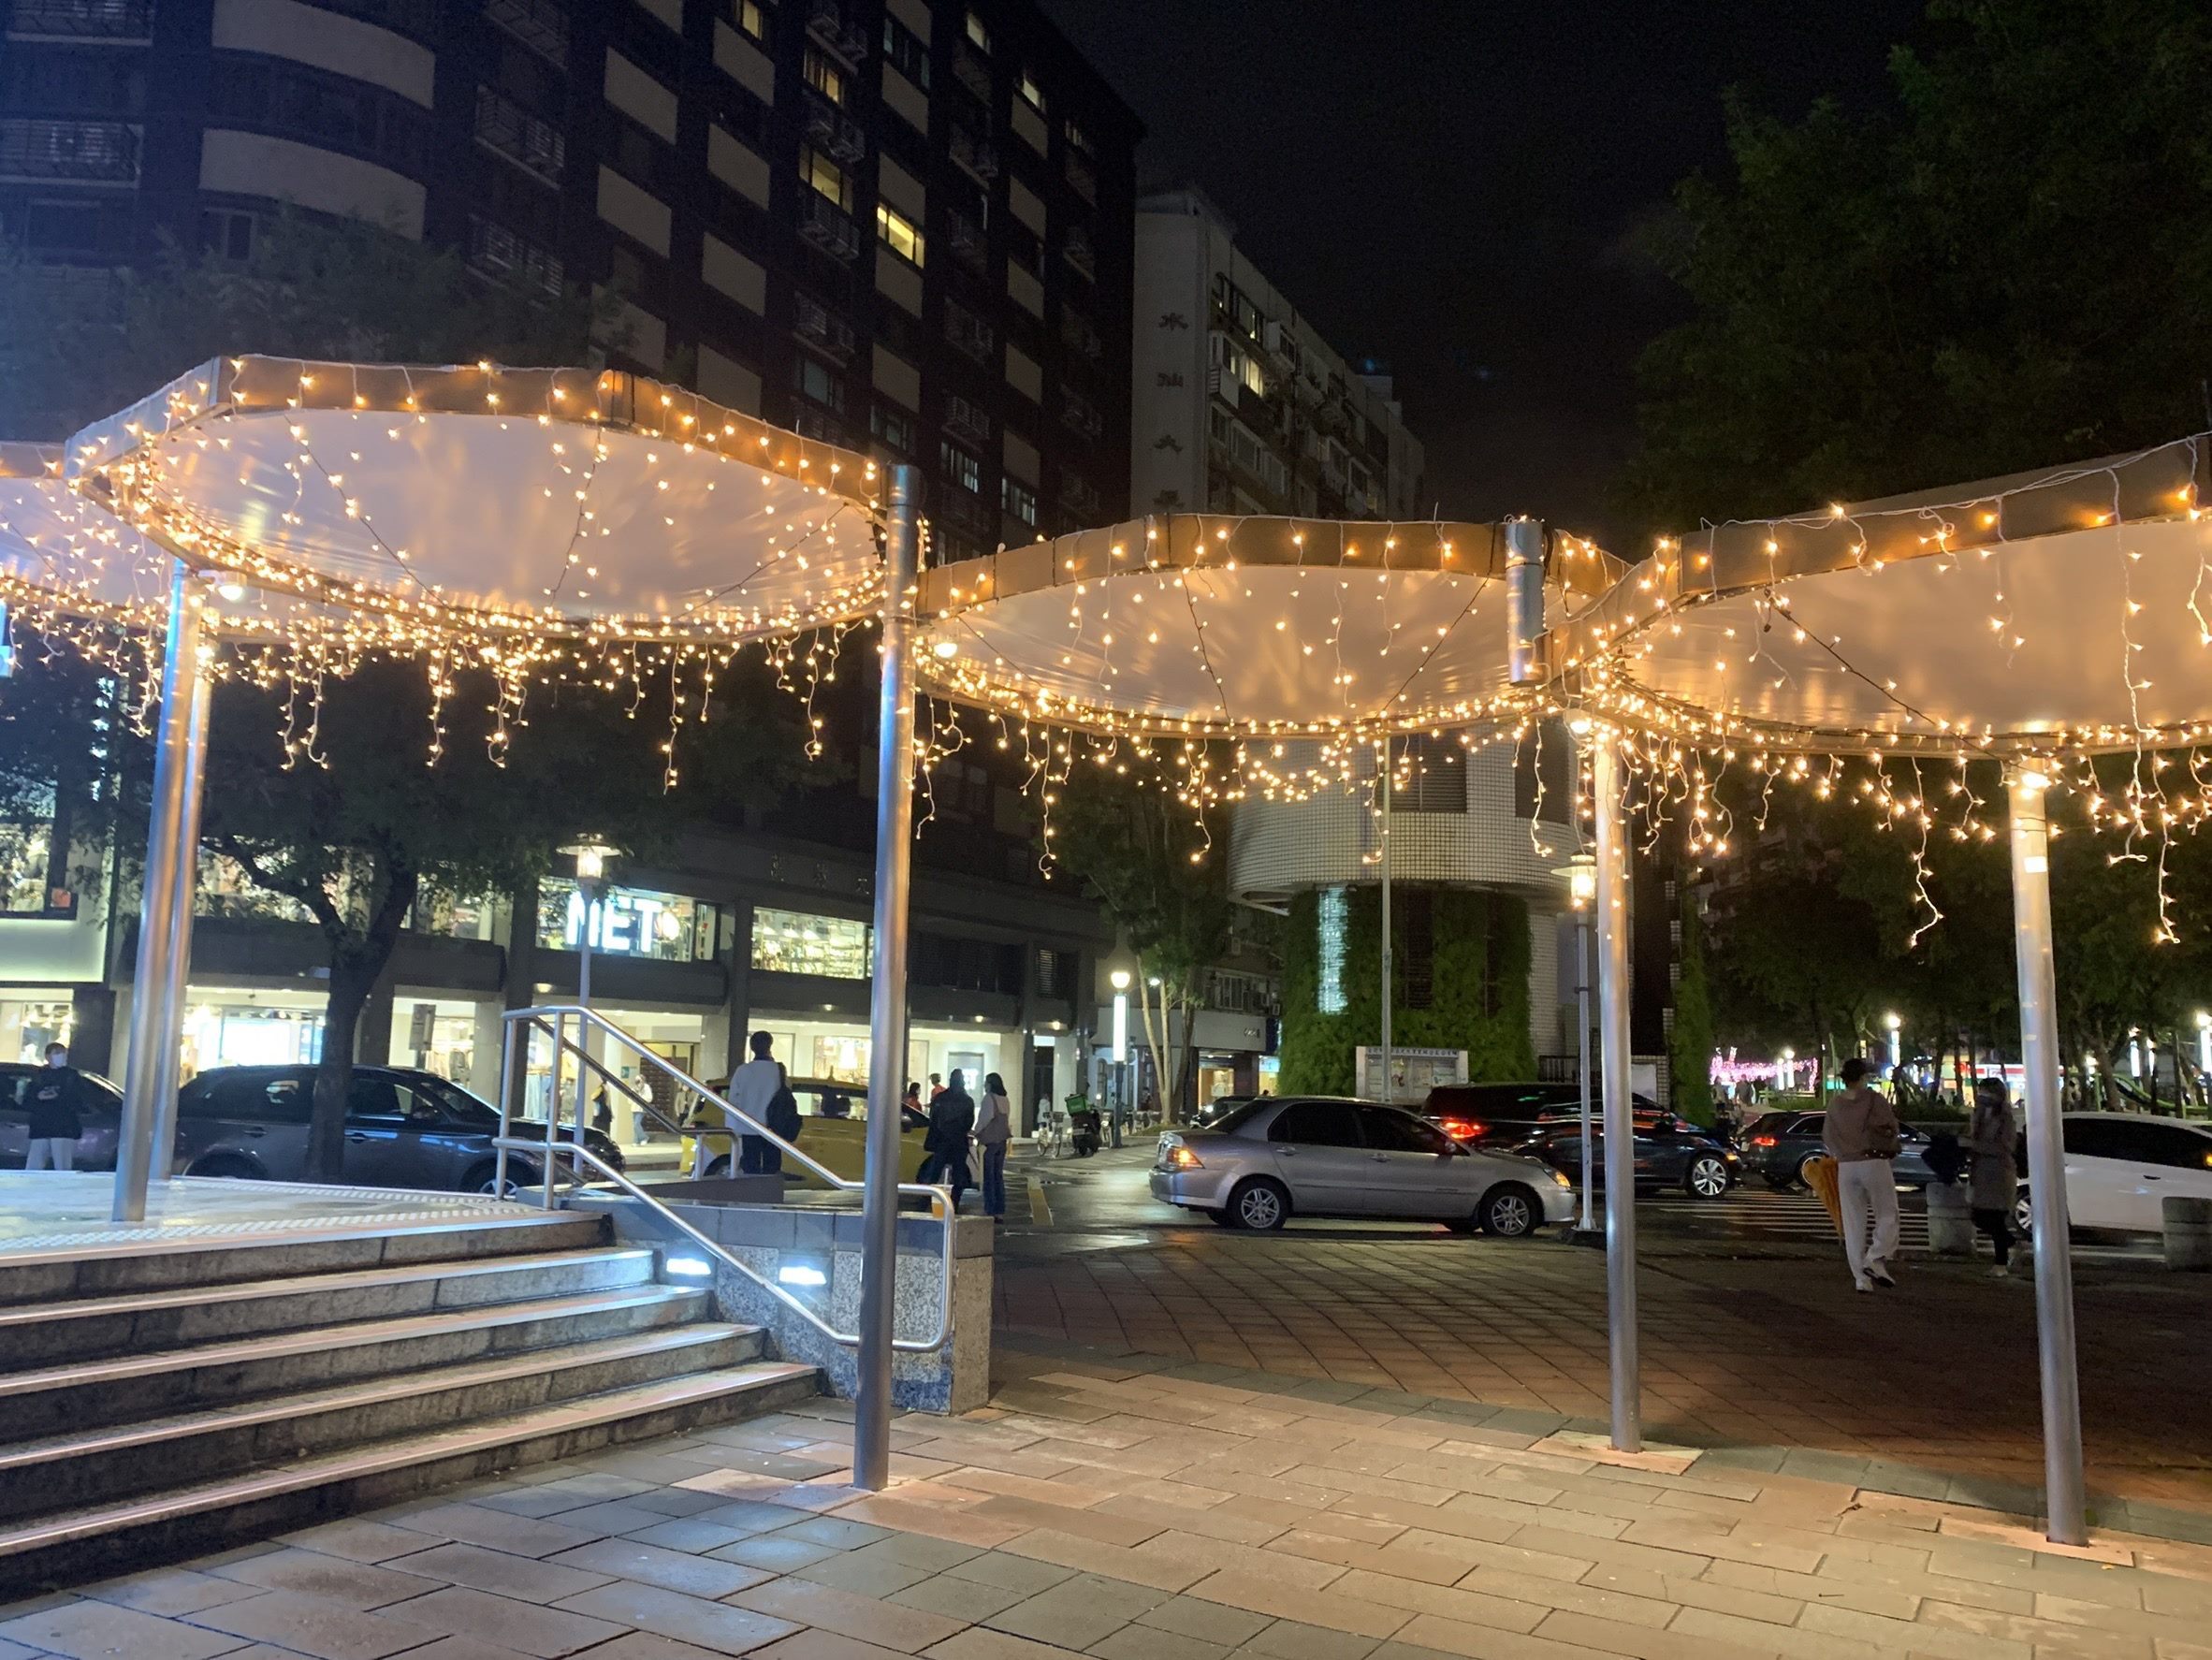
[[520, 1022], [636, 1097]]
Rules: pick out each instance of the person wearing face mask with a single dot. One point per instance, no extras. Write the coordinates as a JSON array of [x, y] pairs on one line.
[[55, 1097]]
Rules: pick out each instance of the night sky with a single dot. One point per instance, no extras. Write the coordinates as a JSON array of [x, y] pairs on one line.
[[1457, 188]]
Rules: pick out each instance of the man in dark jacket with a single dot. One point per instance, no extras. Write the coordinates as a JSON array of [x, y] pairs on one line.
[[55, 1098], [951, 1118]]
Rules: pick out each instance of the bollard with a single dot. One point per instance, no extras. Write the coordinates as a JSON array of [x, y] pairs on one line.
[[2188, 1232], [1950, 1224]]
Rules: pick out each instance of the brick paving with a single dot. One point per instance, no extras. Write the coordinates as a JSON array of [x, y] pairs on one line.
[[1145, 1514], [1934, 1384]]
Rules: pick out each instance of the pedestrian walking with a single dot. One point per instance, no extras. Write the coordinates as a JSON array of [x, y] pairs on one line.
[[1993, 1183], [994, 1129], [952, 1118], [55, 1098], [1861, 1132]]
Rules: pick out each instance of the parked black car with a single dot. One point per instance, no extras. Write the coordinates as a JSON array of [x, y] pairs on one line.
[[98, 1122], [403, 1129], [1470, 1113], [1670, 1156], [1777, 1144]]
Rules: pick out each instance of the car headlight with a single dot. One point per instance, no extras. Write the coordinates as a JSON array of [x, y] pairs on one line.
[[1560, 1176]]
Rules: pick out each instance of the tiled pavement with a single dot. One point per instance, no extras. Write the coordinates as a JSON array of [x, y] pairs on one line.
[[1148, 1516], [1757, 1348]]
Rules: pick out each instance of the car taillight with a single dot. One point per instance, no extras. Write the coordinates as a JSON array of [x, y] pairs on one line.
[[1182, 1157], [1460, 1129], [1763, 1141]]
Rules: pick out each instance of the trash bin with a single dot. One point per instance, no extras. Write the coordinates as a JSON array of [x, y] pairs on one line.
[[1950, 1220], [2188, 1232], [1820, 1175]]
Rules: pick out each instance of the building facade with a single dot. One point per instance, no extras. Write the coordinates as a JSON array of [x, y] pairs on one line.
[[1238, 403], [900, 226]]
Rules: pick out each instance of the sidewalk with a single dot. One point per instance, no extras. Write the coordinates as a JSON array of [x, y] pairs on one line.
[[1151, 1515]]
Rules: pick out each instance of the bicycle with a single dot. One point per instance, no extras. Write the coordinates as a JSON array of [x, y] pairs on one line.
[[1052, 1136]]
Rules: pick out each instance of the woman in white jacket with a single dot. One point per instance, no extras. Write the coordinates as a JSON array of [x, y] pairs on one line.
[[993, 1129]]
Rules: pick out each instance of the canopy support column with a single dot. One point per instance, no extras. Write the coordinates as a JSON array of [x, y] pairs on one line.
[[1382, 751], [147, 1130], [1607, 798], [2067, 1522], [887, 1020]]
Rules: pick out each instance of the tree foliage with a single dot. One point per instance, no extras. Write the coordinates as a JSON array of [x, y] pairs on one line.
[[2009, 265]]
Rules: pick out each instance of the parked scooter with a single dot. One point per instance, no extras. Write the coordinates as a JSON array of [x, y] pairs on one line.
[[1083, 1130]]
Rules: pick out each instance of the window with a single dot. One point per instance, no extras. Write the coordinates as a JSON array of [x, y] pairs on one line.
[[823, 75], [978, 34], [814, 380], [825, 176], [291, 100], [1389, 1131], [901, 235], [629, 922], [1033, 94], [894, 427], [751, 19], [1078, 139], [1316, 1124], [903, 51], [960, 467], [227, 233], [798, 942], [1334, 922], [26, 861], [1017, 501]]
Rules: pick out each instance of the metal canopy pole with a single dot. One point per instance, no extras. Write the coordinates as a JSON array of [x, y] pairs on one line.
[[1619, 1128], [165, 911], [1383, 752], [1589, 1222], [887, 1023], [2067, 1522]]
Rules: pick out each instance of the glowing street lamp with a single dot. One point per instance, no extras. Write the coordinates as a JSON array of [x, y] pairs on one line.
[[1897, 1049]]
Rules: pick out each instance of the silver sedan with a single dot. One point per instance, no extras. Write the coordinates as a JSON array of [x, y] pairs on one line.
[[1319, 1155]]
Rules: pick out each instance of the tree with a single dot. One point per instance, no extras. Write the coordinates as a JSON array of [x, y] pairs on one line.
[[1690, 1042], [2009, 265], [1143, 854]]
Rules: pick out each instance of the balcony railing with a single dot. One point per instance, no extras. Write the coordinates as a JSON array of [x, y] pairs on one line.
[[497, 251], [1080, 497], [829, 227], [965, 238], [1078, 335], [1082, 180], [972, 73], [82, 20], [1077, 251], [970, 333], [539, 24], [819, 326], [969, 422], [973, 153], [79, 152], [829, 29], [833, 131], [506, 128]]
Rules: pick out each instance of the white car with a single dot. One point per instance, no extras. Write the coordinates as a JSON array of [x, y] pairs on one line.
[[2121, 1165]]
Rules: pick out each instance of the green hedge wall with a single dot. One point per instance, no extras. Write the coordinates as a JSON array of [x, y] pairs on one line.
[[1479, 938]]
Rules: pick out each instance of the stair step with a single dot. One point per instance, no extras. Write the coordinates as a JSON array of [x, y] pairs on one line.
[[54, 1400], [105, 1464], [121, 1264], [87, 1329], [75, 1544]]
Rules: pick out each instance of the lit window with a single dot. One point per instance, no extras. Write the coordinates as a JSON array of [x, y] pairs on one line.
[[823, 75], [1335, 910], [901, 235], [794, 942], [960, 467], [825, 176], [1078, 139], [977, 34], [1020, 502], [628, 921], [751, 19], [1025, 83]]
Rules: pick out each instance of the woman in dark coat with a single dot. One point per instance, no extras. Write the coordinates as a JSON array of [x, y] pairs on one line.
[[951, 1118]]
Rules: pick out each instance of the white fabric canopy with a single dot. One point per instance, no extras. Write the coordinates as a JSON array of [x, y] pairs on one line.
[[1231, 626], [62, 553], [545, 501], [2070, 609]]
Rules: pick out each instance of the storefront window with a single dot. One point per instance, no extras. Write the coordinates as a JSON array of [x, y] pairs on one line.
[[796, 943], [226, 1034], [29, 1023], [628, 921], [452, 917], [26, 860]]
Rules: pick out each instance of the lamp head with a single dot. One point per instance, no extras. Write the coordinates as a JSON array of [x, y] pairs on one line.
[[1119, 979]]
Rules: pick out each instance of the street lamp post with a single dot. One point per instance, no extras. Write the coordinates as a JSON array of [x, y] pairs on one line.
[[1581, 874], [1120, 980], [1895, 1024], [590, 856]]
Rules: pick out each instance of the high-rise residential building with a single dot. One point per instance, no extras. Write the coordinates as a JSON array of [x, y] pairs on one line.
[[1238, 405], [901, 226]]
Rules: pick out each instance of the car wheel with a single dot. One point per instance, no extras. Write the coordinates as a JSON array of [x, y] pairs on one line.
[[2024, 1215], [718, 1171], [1510, 1212], [1801, 1181], [1260, 1204], [226, 1167], [1706, 1177], [485, 1179]]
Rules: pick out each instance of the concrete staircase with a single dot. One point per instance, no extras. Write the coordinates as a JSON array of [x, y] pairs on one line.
[[155, 1402]]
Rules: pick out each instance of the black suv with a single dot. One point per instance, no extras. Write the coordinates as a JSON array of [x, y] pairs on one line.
[[1510, 1112], [403, 1129]]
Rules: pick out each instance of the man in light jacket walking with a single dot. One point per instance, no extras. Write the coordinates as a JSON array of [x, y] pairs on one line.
[[1861, 1135]]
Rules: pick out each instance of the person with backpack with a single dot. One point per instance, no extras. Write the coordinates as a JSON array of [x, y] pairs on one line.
[[994, 1129], [951, 1118]]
